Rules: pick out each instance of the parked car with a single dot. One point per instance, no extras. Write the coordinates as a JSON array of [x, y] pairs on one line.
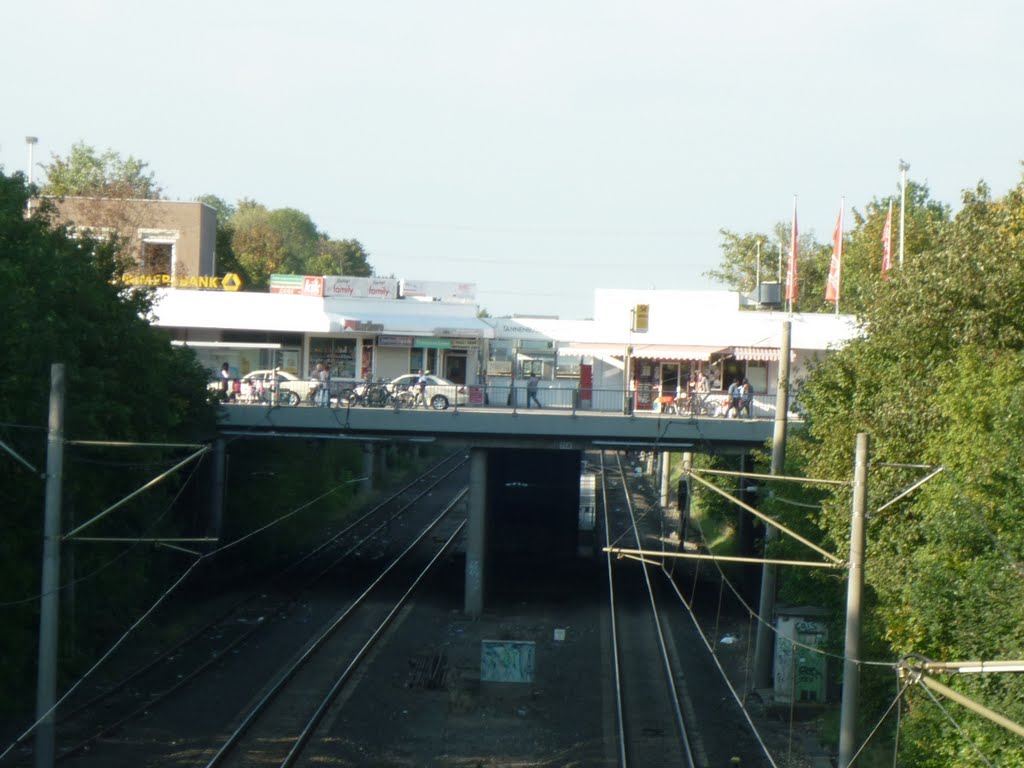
[[291, 389], [439, 392]]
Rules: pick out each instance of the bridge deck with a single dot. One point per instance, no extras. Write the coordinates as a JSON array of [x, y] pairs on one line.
[[501, 427]]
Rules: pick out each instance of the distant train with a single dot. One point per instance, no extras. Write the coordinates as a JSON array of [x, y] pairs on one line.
[[586, 543]]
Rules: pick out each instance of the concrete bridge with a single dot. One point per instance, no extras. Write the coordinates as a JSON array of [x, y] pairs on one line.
[[502, 428], [525, 465]]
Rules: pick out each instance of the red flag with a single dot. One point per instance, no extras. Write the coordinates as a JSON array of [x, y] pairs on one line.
[[835, 268], [791, 276], [887, 244]]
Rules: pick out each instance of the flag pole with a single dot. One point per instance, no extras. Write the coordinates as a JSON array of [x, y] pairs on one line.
[[904, 167], [839, 266]]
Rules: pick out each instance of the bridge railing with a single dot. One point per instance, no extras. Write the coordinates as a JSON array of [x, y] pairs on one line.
[[595, 400]]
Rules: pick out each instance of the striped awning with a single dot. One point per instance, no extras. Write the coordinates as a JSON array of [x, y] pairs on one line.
[[673, 352], [757, 354]]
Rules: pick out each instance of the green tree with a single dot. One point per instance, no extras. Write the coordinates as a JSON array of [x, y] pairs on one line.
[[341, 257], [88, 173], [266, 242], [124, 382], [227, 259], [862, 252], [935, 380]]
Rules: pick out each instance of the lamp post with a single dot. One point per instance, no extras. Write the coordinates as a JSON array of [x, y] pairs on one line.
[[31, 141]]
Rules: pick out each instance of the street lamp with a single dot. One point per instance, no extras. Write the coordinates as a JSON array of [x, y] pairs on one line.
[[31, 141]]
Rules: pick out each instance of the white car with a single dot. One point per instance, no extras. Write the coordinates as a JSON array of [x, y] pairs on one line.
[[291, 389], [439, 393]]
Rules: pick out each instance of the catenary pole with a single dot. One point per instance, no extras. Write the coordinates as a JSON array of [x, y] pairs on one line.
[[766, 607], [46, 679], [854, 592]]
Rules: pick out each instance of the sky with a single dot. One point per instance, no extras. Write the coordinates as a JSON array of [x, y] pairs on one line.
[[540, 150]]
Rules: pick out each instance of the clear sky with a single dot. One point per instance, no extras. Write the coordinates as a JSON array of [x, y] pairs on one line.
[[538, 149]]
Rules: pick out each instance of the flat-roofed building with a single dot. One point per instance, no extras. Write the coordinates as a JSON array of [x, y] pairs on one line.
[[165, 237]]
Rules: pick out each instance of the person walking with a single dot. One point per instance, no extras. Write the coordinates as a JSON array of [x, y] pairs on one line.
[[323, 392], [225, 381], [531, 390], [421, 389]]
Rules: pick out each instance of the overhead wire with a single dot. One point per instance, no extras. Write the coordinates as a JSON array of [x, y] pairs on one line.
[[116, 558], [149, 611]]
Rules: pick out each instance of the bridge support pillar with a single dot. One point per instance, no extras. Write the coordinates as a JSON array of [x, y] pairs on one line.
[[476, 533], [367, 484]]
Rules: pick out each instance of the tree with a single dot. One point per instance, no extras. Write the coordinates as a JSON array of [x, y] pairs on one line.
[[286, 241], [862, 253], [935, 380], [341, 257], [86, 173], [124, 382], [227, 259]]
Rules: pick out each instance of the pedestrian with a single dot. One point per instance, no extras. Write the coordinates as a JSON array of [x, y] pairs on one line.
[[747, 398], [531, 390], [225, 381], [323, 393], [735, 389], [421, 389]]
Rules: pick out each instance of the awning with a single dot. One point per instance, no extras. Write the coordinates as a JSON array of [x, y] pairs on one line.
[[758, 354], [673, 352]]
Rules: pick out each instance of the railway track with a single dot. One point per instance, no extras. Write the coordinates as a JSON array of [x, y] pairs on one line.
[[281, 728], [651, 728], [95, 714]]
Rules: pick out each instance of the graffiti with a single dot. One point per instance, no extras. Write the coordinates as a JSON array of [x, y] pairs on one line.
[[507, 661]]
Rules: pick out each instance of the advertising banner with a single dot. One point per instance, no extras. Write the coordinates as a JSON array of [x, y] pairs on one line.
[[297, 285], [360, 287], [434, 290]]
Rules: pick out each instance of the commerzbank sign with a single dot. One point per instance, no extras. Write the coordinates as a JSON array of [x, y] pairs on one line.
[[229, 282]]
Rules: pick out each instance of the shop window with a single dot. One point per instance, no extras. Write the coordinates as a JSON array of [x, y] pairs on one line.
[[340, 354], [568, 366]]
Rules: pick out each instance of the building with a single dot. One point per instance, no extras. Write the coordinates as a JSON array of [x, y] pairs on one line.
[[606, 363], [172, 242], [357, 337]]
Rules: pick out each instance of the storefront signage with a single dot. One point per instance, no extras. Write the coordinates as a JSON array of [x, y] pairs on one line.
[[297, 285], [460, 333], [434, 290], [360, 287], [230, 281], [499, 367], [395, 341], [509, 329], [428, 343], [363, 325], [465, 344]]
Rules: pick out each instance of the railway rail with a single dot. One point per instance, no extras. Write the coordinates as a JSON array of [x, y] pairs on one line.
[[102, 710], [651, 729]]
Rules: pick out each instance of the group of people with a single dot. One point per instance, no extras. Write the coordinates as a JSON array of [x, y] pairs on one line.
[[741, 398]]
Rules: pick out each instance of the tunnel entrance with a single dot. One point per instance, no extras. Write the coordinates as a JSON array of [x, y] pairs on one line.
[[533, 497]]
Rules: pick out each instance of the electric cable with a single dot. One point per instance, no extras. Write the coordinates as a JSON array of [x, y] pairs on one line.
[[180, 580], [116, 558]]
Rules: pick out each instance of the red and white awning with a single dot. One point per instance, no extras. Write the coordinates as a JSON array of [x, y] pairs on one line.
[[757, 354], [673, 352]]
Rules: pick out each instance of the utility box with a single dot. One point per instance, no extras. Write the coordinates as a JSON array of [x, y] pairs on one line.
[[800, 673]]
